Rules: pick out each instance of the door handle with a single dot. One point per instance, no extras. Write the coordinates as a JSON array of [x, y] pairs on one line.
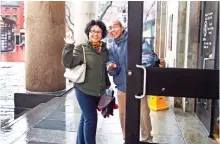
[[204, 61], [144, 82]]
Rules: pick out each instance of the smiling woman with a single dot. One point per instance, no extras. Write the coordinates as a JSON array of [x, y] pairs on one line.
[[95, 30], [96, 81]]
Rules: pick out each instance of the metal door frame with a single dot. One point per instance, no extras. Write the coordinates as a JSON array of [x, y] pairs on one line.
[[202, 61], [171, 81]]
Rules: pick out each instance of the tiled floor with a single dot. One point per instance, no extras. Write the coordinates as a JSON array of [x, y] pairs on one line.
[[56, 123]]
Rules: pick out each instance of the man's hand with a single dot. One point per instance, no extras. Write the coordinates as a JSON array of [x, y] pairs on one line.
[[108, 86], [111, 66], [69, 41]]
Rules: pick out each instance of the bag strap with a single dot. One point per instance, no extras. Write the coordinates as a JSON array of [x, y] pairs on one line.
[[84, 55]]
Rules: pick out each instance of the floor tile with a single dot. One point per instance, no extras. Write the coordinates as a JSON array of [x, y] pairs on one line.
[[197, 139], [52, 136], [175, 140], [110, 129], [161, 139], [57, 125], [24, 138], [167, 120], [168, 112], [109, 139], [161, 128]]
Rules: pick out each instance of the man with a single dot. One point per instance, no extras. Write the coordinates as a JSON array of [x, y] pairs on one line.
[[117, 67], [146, 47]]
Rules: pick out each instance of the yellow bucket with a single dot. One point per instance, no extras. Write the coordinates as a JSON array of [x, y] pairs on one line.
[[158, 103]]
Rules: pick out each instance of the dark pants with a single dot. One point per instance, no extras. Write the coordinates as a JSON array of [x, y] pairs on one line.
[[88, 121]]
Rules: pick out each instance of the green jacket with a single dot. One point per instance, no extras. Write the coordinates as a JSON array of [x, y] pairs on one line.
[[97, 78]]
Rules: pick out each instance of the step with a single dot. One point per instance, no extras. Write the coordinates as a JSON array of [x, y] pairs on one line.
[[18, 127], [14, 129], [54, 101], [12, 122]]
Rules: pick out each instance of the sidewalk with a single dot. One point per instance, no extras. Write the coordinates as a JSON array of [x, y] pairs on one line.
[[56, 122]]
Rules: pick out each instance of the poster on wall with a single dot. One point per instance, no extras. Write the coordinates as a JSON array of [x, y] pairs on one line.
[[170, 32]]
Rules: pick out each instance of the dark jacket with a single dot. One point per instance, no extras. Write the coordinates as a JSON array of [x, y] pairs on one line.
[[118, 55], [97, 78]]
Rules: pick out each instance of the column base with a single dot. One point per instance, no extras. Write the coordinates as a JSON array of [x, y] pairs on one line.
[[50, 93], [29, 99]]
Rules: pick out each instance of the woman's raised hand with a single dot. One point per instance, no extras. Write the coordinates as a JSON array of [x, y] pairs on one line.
[[69, 41]]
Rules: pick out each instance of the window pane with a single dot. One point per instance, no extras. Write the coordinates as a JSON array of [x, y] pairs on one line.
[[15, 18], [15, 10], [6, 10]]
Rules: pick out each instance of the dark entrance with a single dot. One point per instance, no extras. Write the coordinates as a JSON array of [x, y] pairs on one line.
[[208, 57], [141, 81]]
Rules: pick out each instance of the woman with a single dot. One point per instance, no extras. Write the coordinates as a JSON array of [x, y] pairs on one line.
[[96, 81]]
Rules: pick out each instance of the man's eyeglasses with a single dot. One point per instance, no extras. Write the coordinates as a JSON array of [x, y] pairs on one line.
[[114, 26]]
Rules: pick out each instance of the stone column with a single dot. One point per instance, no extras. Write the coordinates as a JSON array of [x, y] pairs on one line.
[[157, 38], [45, 30], [191, 45], [180, 46], [84, 11], [181, 32], [162, 46]]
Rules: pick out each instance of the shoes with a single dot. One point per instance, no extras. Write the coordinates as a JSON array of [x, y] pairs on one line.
[[147, 139]]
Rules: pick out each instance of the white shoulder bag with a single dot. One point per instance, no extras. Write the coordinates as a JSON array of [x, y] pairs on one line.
[[78, 73]]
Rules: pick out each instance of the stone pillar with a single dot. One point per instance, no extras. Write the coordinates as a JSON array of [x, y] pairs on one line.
[[193, 34], [45, 30], [157, 38], [181, 31], [180, 46], [162, 46], [191, 45], [84, 11]]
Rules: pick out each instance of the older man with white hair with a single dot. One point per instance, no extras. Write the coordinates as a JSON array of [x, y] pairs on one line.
[[117, 66]]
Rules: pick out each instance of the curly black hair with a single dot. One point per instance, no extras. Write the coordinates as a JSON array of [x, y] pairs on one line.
[[98, 23]]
